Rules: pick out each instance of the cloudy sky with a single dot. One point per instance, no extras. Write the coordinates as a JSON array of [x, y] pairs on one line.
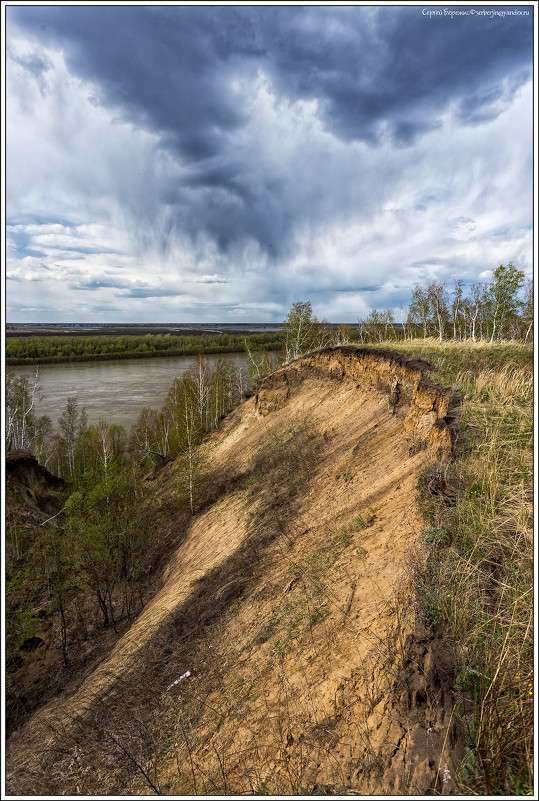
[[217, 163]]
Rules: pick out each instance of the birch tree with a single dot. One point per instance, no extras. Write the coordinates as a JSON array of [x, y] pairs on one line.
[[437, 297], [303, 331], [21, 397], [502, 299], [456, 306], [476, 305], [419, 311], [68, 423], [527, 311]]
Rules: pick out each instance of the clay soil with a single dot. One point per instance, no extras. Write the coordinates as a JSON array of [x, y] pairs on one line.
[[282, 654]]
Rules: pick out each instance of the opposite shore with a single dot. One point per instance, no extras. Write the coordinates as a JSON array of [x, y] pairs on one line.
[[35, 350], [102, 357]]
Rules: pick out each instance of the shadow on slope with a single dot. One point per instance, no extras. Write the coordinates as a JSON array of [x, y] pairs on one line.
[[291, 666]]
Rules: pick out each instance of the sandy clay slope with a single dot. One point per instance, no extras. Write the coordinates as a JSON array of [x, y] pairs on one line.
[[282, 654]]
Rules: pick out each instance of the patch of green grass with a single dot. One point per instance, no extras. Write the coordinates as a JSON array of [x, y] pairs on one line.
[[342, 540], [262, 788], [318, 614], [360, 521], [280, 649], [324, 556]]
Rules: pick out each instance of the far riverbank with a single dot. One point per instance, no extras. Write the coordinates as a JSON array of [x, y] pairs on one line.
[[104, 357], [36, 350]]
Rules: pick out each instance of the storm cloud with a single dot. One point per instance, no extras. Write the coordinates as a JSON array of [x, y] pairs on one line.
[[229, 160]]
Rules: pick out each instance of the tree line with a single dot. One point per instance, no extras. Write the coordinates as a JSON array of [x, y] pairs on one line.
[[501, 308], [492, 311], [65, 348]]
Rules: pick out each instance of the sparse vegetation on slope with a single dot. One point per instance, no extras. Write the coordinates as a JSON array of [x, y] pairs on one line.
[[477, 583]]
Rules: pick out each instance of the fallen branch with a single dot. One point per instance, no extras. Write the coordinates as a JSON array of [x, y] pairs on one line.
[[52, 518], [155, 453]]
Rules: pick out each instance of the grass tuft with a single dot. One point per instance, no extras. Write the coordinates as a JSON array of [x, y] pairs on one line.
[[476, 582]]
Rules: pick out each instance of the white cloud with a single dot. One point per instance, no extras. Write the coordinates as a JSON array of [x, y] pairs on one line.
[[99, 216]]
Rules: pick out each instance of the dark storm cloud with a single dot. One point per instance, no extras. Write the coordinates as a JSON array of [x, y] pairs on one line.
[[392, 70], [168, 68], [232, 200], [375, 72]]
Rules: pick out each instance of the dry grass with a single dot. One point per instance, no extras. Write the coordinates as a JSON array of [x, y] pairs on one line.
[[477, 584]]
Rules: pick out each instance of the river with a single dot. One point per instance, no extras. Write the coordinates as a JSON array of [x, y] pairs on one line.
[[117, 390]]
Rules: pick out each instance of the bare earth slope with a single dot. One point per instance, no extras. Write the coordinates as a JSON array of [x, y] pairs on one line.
[[289, 604]]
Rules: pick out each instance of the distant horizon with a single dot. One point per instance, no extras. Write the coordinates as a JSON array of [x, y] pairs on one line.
[[134, 322], [169, 324]]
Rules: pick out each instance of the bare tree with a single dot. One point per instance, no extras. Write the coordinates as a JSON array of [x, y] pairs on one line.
[[456, 306], [437, 297], [477, 301], [22, 395]]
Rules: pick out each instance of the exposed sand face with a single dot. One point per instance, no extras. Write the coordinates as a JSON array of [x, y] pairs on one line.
[[308, 670]]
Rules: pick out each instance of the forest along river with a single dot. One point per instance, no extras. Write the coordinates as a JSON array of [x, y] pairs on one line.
[[116, 390]]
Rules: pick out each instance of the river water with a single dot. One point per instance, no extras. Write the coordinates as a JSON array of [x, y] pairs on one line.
[[117, 390]]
